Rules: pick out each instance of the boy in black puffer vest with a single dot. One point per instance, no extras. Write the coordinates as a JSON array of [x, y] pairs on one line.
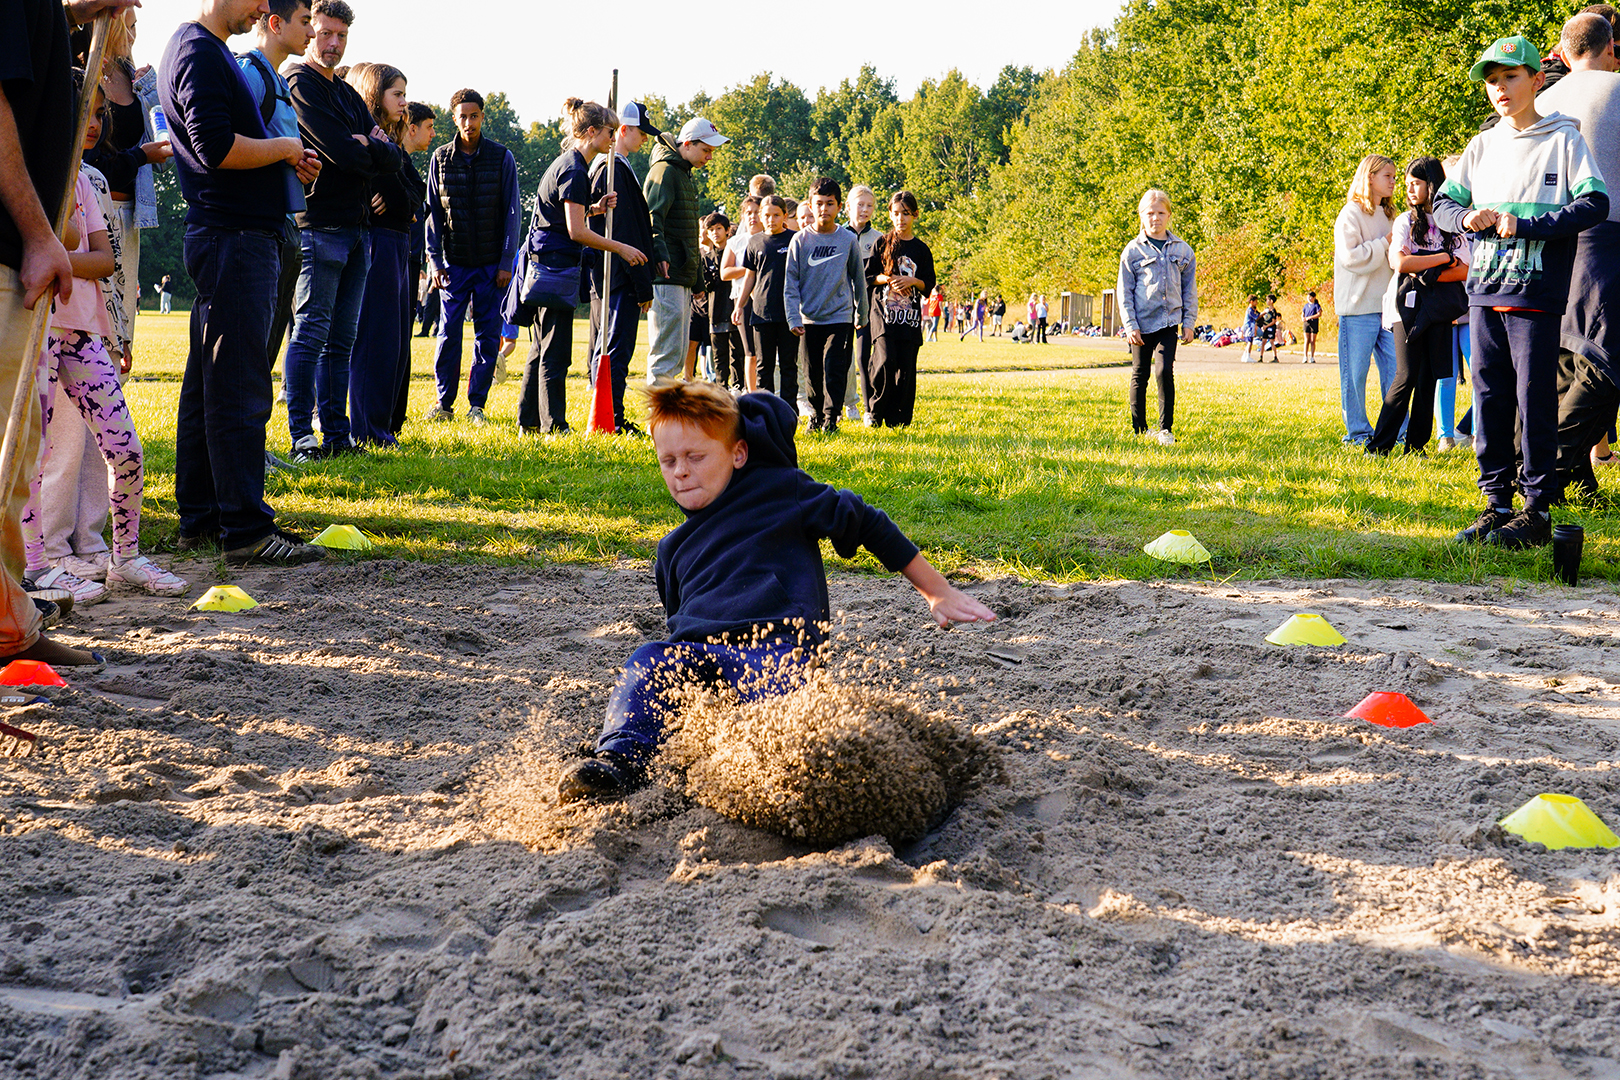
[[742, 580]]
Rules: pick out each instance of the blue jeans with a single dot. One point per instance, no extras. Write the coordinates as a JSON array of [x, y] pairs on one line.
[[1445, 391], [225, 396], [475, 285], [637, 710], [1362, 339], [326, 318]]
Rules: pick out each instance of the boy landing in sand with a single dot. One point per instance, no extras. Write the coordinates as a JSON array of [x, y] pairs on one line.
[[742, 580]]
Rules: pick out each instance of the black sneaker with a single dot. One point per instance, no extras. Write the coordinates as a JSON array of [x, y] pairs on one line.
[[199, 542], [1528, 528], [605, 776], [1487, 523], [627, 428], [279, 548], [51, 612]]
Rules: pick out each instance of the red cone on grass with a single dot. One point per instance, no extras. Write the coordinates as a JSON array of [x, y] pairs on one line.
[[1388, 709], [30, 673], [602, 398]]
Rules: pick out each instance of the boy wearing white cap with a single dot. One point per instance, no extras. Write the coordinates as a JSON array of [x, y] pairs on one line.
[[678, 264]]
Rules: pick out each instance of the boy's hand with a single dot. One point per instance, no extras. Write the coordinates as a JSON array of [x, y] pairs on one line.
[[1507, 225], [957, 606], [948, 603], [1480, 220], [1135, 337]]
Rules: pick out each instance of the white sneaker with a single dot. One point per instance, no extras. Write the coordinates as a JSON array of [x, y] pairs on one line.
[[1166, 439], [1446, 443], [84, 592], [307, 450], [1466, 442], [93, 568], [143, 573], [476, 417], [852, 411], [439, 414], [500, 368]]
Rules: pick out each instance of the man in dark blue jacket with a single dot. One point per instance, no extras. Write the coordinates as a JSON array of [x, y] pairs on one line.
[[472, 238], [742, 580], [236, 209]]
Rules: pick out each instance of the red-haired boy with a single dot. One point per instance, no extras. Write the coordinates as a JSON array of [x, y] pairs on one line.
[[743, 584]]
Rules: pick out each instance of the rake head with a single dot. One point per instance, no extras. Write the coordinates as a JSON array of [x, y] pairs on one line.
[[15, 742]]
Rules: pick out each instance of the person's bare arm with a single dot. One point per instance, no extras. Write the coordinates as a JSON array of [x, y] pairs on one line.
[[98, 262], [80, 12], [731, 268], [947, 603], [747, 290], [44, 260], [249, 153]]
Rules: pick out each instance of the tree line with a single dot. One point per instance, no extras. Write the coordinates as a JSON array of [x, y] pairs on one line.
[[1251, 113]]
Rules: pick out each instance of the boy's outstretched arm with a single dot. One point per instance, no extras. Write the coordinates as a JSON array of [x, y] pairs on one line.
[[948, 603]]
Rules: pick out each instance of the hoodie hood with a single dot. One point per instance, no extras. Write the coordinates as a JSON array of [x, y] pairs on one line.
[[1547, 125], [663, 151], [768, 424]]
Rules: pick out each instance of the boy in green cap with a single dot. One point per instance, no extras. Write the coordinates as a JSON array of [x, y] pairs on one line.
[[1524, 190]]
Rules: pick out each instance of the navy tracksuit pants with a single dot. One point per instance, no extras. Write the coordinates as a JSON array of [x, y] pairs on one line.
[[638, 708], [1516, 372]]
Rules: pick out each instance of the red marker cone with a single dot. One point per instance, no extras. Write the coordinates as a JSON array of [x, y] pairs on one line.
[[602, 398], [30, 673], [1387, 709]]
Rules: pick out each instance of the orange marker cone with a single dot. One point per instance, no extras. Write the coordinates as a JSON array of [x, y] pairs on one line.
[[1388, 709], [30, 673], [602, 398]]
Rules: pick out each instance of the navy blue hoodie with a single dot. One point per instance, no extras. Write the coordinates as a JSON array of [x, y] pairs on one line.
[[752, 558]]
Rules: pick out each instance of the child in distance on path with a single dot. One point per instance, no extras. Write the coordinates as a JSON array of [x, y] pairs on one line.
[[1158, 299], [1310, 315], [1526, 188], [1270, 321], [742, 579]]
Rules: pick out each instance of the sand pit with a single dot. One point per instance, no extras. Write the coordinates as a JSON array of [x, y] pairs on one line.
[[317, 840]]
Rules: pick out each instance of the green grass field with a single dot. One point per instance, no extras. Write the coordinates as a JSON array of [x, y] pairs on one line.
[[1009, 468]]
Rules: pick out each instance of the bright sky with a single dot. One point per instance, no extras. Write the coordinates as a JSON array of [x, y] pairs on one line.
[[537, 53]]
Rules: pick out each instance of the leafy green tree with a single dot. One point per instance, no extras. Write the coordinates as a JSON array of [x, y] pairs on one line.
[[768, 122]]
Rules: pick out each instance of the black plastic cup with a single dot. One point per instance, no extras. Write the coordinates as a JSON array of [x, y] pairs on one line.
[[1567, 543]]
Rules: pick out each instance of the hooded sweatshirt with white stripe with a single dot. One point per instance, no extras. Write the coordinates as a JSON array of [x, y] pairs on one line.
[[1545, 176]]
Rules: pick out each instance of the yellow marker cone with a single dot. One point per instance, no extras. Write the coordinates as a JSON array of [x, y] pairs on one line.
[[1305, 629], [224, 598], [343, 536], [1179, 546], [1560, 821]]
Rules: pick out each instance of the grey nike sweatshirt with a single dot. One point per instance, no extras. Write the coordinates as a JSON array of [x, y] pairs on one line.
[[825, 280]]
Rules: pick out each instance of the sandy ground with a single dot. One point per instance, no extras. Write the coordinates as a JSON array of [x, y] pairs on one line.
[[317, 840]]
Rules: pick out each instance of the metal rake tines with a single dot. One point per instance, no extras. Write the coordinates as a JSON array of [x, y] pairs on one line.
[[15, 742]]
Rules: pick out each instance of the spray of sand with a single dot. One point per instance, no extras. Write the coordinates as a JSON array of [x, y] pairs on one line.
[[826, 762]]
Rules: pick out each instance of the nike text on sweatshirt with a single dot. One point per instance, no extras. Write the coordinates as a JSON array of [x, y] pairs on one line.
[[825, 279], [1546, 177]]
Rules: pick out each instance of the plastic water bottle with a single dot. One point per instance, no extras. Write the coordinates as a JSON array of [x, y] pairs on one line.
[[160, 124]]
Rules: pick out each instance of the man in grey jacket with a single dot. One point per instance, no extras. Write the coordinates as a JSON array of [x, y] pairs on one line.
[[1158, 302], [671, 193]]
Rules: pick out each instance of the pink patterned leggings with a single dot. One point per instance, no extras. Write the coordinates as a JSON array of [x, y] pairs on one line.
[[79, 364]]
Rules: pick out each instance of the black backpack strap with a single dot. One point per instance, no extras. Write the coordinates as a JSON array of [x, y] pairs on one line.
[[272, 87]]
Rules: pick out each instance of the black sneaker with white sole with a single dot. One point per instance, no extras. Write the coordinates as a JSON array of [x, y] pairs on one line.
[[1487, 522], [279, 548], [1529, 528], [604, 775]]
